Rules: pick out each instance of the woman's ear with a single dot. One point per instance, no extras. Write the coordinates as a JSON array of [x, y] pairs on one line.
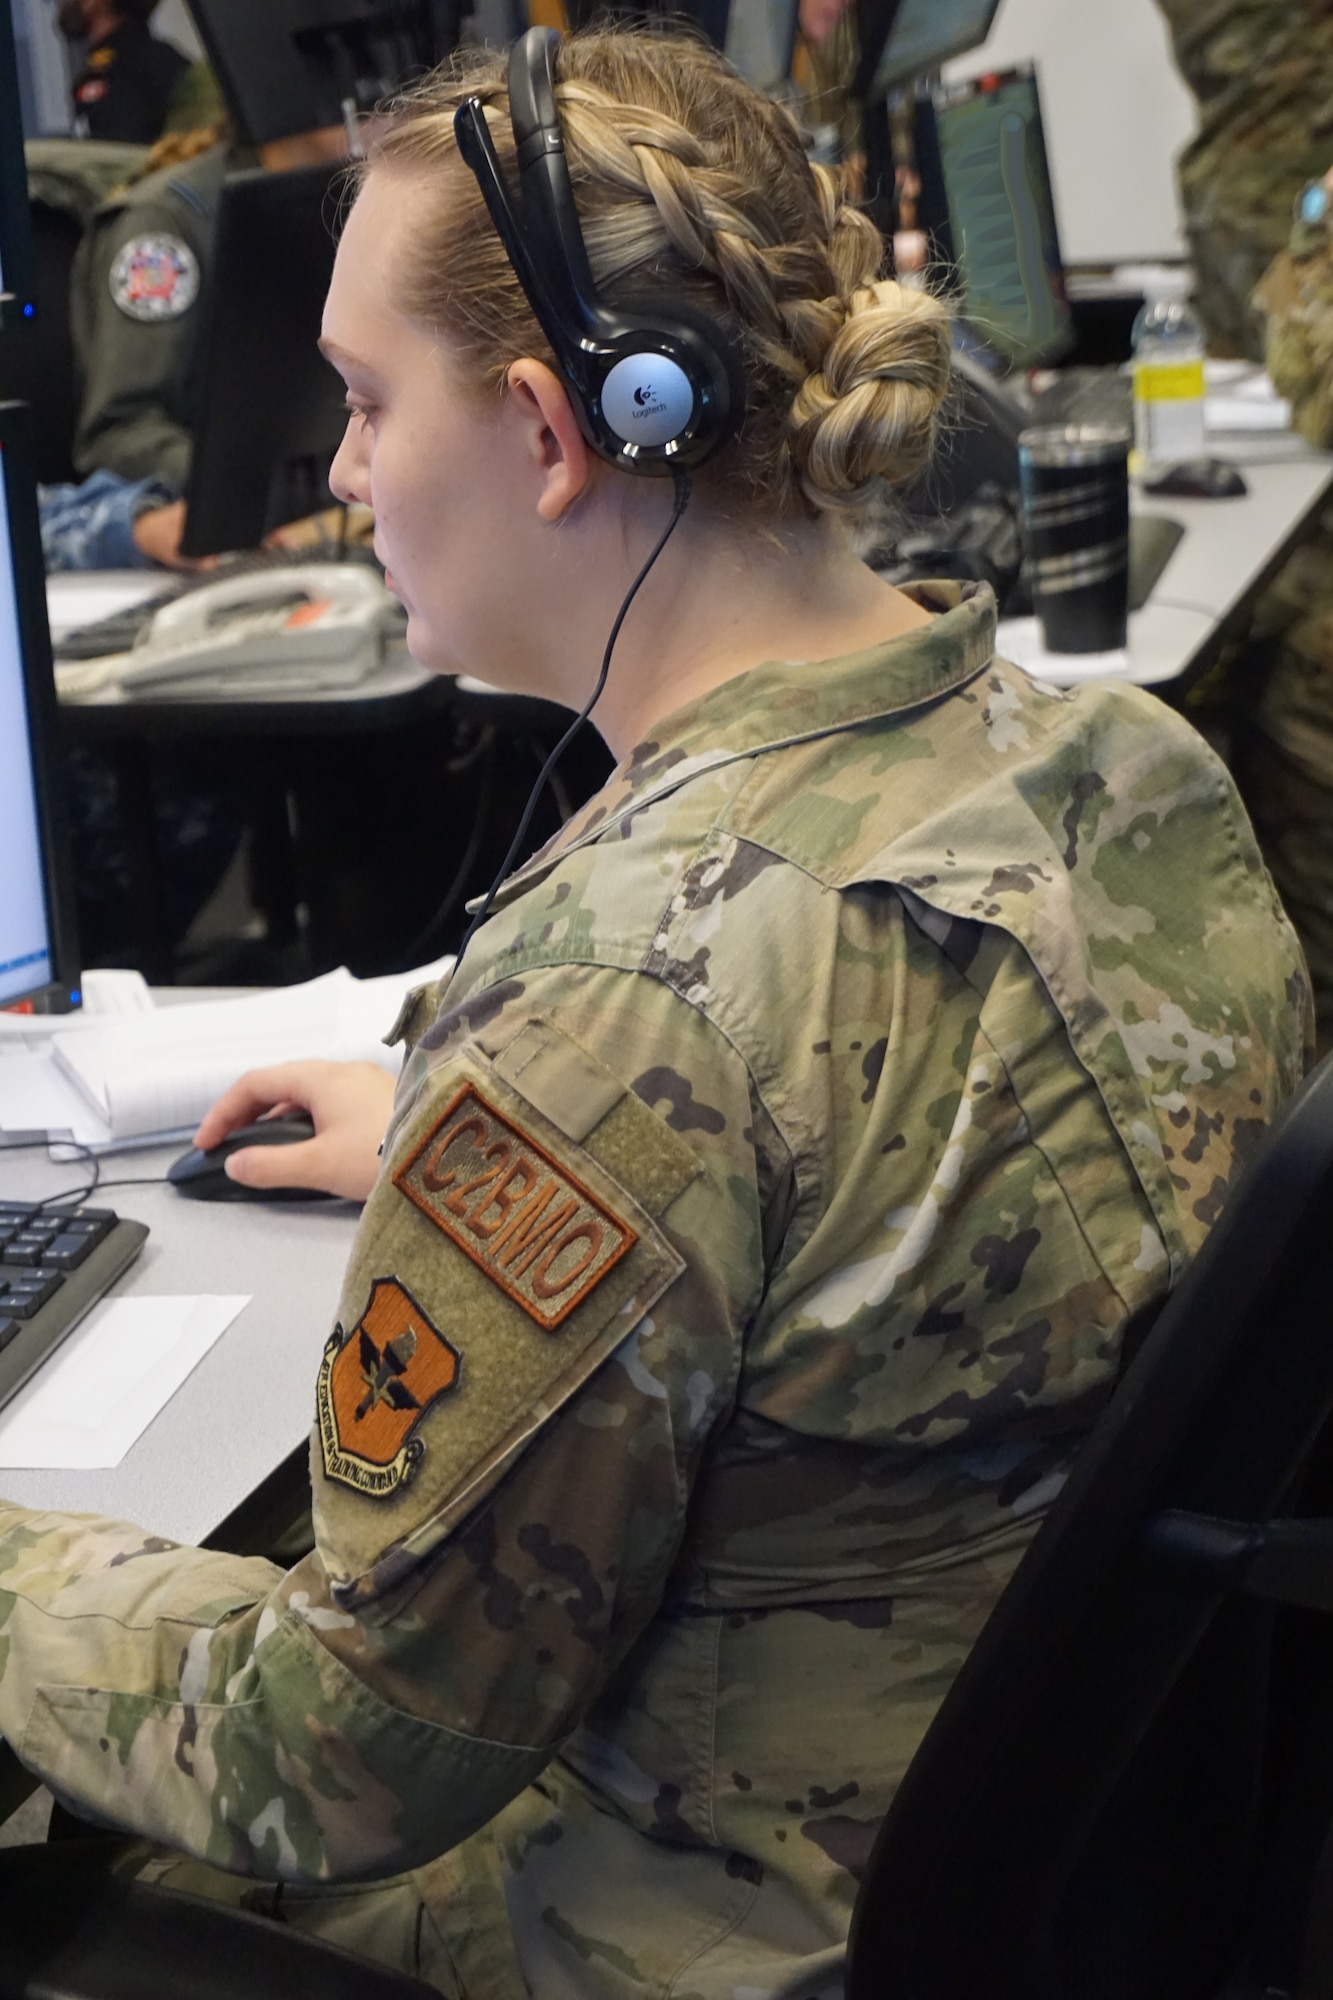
[[553, 440]]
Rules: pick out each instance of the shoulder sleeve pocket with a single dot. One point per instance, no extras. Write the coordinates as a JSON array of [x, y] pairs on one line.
[[510, 1245]]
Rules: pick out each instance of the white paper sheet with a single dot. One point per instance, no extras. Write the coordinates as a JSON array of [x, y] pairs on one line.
[[104, 1385], [36, 1096]]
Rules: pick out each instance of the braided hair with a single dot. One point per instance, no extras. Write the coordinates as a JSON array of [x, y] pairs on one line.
[[689, 183]]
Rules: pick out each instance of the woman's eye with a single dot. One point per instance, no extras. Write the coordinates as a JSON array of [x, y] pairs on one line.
[[361, 410]]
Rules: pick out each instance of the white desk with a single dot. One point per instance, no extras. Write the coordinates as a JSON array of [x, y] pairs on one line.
[[251, 1400], [1230, 550]]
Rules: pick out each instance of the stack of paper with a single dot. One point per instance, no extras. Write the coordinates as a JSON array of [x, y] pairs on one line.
[[137, 1077], [1240, 397]]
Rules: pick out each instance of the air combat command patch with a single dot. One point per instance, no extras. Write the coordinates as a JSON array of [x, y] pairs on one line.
[[155, 278], [523, 1219], [375, 1385]]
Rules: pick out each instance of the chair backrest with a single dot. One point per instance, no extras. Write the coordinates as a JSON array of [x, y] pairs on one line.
[[70, 1930], [1079, 1815]]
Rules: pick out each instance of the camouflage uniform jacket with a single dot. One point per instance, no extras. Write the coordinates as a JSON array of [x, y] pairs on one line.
[[763, 1205], [139, 357], [1296, 298], [1285, 755], [1261, 72]]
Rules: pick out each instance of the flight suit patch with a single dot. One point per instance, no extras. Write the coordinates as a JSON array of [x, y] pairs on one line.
[[375, 1385], [155, 278], [525, 1221]]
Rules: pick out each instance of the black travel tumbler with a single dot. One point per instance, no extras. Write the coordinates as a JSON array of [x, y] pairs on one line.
[[1075, 488]]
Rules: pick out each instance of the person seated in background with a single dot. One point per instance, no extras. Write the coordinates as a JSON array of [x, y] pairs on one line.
[[135, 311], [1284, 748], [129, 79], [136, 296], [767, 1193], [1262, 75]]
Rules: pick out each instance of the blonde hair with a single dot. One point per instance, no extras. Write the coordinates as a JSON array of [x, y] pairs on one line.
[[688, 182]]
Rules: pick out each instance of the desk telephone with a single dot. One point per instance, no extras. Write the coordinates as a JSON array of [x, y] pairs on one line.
[[298, 628]]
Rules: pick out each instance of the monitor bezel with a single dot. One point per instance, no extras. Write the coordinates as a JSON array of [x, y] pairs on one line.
[[271, 88], [229, 492], [16, 252], [947, 264], [61, 993]]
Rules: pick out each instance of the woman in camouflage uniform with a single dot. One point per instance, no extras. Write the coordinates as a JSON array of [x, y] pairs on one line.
[[765, 1196]]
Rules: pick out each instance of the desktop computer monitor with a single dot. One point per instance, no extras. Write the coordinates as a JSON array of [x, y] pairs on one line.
[[759, 40], [39, 959], [269, 410], [758, 37], [288, 66], [16, 266], [918, 36], [708, 16], [987, 207]]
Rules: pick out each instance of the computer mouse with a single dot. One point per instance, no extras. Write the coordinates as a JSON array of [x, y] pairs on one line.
[[1199, 479], [203, 1176]]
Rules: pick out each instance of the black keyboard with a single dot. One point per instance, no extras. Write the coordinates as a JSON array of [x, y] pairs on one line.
[[55, 1264]]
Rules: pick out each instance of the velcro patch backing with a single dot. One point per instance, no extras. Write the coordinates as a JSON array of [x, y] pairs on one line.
[[524, 1220]]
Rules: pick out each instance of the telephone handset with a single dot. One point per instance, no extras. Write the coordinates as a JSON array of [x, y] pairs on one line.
[[283, 631]]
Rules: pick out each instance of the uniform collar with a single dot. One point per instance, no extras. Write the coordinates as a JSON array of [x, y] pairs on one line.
[[788, 701]]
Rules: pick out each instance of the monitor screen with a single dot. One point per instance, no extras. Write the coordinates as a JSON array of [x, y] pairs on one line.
[[270, 411], [1001, 216], [38, 956], [287, 66], [760, 40], [16, 276], [926, 33]]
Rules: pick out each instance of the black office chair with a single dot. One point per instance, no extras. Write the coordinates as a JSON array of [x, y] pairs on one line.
[[71, 1931], [1100, 1810]]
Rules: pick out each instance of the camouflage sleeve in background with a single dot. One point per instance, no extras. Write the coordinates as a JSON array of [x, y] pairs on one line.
[[1296, 297], [1261, 72], [136, 310]]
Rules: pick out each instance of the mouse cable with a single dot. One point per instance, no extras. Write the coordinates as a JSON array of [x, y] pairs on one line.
[[96, 1184], [680, 480]]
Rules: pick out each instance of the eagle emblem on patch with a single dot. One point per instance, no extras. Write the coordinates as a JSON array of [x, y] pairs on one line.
[[375, 1385], [155, 278], [533, 1228]]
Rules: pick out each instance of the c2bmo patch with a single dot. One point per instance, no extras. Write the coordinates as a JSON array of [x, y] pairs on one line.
[[375, 1385], [534, 1229]]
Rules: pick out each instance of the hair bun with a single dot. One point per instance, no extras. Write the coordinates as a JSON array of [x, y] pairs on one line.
[[869, 414]]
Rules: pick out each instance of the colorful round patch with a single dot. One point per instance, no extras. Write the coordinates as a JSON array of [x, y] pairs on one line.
[[155, 278]]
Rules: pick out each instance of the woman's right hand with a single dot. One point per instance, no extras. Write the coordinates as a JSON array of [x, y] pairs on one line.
[[350, 1104]]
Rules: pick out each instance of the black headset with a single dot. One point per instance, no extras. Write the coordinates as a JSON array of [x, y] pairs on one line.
[[653, 392]]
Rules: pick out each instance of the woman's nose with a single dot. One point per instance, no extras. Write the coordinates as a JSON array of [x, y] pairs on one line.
[[349, 475]]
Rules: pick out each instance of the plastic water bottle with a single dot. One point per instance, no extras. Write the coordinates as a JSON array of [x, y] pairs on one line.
[[1168, 374]]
